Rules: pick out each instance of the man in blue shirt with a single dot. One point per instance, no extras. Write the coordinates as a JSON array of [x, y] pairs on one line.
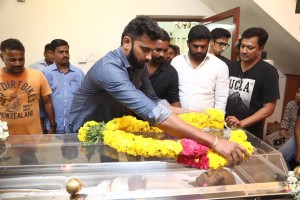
[[41, 65], [64, 79], [44, 63], [119, 82]]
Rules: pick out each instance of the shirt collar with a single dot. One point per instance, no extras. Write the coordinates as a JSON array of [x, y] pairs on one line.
[[123, 57], [207, 57], [53, 67], [43, 62], [164, 65]]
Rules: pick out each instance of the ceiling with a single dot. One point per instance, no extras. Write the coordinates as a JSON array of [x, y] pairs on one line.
[[282, 47]]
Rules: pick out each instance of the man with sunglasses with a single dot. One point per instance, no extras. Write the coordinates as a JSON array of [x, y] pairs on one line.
[[203, 78], [219, 43]]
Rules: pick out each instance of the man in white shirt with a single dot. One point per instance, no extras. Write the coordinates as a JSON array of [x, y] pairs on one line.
[[203, 78]]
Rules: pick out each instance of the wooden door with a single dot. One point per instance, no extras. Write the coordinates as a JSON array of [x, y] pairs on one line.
[[226, 19]]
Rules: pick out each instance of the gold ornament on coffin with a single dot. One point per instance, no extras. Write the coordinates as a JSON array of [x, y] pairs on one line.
[[73, 185], [297, 172]]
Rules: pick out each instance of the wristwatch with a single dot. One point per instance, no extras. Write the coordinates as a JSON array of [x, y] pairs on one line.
[[53, 125]]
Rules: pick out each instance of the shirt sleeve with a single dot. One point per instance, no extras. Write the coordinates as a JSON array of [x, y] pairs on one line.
[[45, 87], [222, 88], [115, 80], [271, 85], [147, 87], [173, 90]]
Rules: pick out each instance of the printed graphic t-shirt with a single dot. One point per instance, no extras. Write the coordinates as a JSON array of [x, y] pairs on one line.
[[19, 100], [249, 91]]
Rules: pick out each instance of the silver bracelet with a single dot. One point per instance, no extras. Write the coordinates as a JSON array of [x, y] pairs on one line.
[[215, 143]]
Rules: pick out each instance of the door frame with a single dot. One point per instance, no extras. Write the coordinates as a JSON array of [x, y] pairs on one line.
[[234, 13]]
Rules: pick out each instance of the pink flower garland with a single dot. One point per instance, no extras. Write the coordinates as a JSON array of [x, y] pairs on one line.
[[193, 154]]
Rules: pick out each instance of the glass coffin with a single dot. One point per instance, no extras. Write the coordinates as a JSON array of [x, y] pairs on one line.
[[39, 166]]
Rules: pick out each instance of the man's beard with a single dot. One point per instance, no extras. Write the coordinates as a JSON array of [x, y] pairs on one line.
[[132, 59], [15, 69], [199, 56], [158, 59]]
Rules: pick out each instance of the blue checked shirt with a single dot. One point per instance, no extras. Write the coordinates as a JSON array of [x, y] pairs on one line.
[[110, 88], [63, 88]]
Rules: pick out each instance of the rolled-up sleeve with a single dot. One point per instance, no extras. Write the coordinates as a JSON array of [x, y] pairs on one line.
[[222, 88], [115, 80], [160, 113]]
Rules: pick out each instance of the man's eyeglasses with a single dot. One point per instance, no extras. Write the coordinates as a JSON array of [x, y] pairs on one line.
[[222, 44]]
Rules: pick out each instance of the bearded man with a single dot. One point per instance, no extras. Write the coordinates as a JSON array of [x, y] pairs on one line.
[[203, 78], [163, 76], [119, 82]]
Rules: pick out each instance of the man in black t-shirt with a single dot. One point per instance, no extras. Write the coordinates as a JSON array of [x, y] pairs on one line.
[[162, 74], [253, 87]]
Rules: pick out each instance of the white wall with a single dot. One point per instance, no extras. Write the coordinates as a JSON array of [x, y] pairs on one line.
[[94, 27], [91, 27], [283, 11], [276, 116]]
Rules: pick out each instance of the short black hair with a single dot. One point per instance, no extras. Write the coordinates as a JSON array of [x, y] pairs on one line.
[[199, 32], [11, 44], [164, 36], [47, 47], [142, 25], [256, 32], [238, 43], [175, 48], [58, 43], [219, 33]]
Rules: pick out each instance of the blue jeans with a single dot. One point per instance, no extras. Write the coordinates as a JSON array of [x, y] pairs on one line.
[[288, 150]]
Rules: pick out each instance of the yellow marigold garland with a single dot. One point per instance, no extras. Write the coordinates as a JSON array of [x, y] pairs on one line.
[[131, 124], [239, 136], [138, 145], [118, 134], [211, 118]]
